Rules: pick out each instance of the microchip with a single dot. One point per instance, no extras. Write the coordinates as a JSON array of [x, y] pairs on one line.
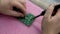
[[28, 19]]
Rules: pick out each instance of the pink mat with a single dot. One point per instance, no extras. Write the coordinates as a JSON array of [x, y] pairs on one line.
[[10, 25]]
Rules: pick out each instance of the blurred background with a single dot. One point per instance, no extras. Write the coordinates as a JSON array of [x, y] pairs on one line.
[[44, 3]]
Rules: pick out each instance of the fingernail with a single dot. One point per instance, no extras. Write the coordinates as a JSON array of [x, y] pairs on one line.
[[21, 15]]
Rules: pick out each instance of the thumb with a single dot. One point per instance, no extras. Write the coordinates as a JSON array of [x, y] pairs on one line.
[[14, 13], [20, 6], [49, 11]]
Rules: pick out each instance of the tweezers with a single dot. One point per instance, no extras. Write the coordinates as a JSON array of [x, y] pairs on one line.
[[53, 13]]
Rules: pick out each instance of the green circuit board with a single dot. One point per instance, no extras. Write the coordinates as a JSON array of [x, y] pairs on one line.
[[28, 19]]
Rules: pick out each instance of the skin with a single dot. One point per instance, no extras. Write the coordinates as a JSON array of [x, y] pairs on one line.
[[51, 24], [6, 7]]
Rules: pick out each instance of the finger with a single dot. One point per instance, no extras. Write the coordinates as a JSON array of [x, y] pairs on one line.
[[14, 13], [58, 14], [49, 11], [20, 6], [23, 2]]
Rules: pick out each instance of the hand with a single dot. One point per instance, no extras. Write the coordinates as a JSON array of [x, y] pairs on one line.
[[6, 7], [51, 24]]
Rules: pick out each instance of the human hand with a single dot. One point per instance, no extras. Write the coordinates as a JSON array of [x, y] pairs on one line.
[[51, 24], [6, 7]]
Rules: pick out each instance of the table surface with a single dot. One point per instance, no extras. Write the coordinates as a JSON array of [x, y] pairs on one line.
[[10, 25]]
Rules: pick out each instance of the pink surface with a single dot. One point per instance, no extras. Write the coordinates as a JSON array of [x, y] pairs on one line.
[[10, 25]]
